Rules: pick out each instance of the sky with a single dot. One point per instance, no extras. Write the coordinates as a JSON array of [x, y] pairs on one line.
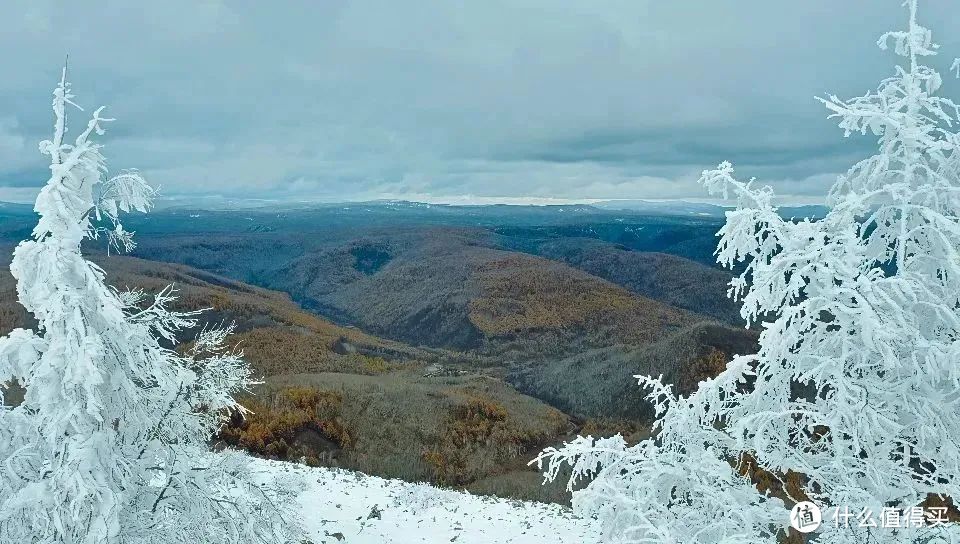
[[452, 101]]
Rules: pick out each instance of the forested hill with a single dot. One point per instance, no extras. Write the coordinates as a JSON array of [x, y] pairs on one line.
[[386, 330]]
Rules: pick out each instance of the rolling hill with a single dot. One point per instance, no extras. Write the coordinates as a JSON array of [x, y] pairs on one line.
[[667, 278], [557, 331], [508, 330], [380, 406]]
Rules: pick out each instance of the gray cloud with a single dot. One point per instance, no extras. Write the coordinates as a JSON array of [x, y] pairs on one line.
[[352, 99]]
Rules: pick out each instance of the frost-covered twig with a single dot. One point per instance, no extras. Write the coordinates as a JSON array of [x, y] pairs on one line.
[[104, 448], [856, 386]]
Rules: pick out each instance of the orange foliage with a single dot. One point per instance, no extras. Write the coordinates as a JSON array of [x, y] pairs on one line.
[[522, 294], [272, 427], [700, 369], [478, 427]]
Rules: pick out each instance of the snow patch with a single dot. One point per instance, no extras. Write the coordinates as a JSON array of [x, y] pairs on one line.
[[340, 506]]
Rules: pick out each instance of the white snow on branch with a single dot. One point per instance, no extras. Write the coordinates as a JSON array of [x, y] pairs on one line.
[[111, 442], [855, 388]]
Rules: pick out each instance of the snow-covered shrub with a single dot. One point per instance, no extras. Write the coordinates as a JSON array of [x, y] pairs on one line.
[[856, 384], [110, 443]]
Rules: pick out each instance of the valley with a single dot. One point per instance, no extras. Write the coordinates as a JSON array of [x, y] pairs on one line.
[[432, 346]]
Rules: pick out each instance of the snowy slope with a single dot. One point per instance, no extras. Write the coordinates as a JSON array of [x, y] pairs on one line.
[[346, 507]]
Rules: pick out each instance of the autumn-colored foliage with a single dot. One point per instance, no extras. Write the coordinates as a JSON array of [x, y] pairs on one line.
[[707, 366], [523, 295], [273, 426], [477, 427], [274, 350]]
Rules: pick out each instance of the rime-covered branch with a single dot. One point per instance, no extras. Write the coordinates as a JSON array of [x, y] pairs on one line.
[[856, 386], [110, 444]]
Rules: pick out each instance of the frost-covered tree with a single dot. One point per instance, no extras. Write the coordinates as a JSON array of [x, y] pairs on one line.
[[856, 384], [110, 444]]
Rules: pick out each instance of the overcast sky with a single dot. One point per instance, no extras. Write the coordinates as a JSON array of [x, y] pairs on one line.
[[440, 100]]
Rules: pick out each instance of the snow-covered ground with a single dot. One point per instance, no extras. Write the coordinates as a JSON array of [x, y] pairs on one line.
[[344, 507]]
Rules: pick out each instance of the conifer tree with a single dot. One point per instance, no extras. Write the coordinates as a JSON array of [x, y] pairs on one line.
[[855, 389], [110, 443]]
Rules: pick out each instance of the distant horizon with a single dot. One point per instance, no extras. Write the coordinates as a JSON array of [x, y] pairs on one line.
[[467, 200]]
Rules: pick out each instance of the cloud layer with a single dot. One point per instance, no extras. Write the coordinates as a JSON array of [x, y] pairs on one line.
[[361, 99]]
